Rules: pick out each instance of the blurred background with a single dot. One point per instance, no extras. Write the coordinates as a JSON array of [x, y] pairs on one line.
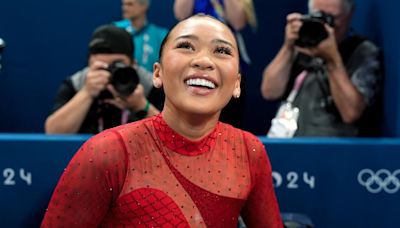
[[45, 42]]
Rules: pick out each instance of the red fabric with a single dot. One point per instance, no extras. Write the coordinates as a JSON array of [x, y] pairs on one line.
[[144, 174]]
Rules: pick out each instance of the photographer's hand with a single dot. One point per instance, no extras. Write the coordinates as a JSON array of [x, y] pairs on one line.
[[97, 78], [327, 49], [135, 102], [293, 25]]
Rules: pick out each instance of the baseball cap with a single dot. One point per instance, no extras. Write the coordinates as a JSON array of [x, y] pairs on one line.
[[109, 39]]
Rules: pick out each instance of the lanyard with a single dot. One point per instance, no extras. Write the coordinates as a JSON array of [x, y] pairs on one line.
[[297, 85], [100, 121]]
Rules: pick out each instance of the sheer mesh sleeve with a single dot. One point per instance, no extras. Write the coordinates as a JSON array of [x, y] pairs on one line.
[[261, 208], [89, 184]]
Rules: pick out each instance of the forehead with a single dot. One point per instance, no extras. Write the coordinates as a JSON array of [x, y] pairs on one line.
[[329, 6], [204, 28], [130, 1], [110, 57]]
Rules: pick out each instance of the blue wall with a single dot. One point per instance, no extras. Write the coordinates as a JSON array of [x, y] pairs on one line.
[[47, 42]]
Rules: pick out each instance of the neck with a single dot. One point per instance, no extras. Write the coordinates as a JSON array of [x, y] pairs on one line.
[[138, 22], [189, 125]]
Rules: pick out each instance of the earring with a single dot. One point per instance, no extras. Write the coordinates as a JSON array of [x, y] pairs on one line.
[[157, 84], [236, 93]]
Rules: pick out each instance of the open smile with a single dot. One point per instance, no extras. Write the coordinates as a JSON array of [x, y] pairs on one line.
[[200, 82]]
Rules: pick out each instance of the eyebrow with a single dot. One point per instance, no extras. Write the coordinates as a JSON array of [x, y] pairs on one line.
[[194, 37]]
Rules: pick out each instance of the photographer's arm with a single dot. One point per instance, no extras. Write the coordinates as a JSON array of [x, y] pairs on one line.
[[69, 118], [183, 9], [135, 102], [235, 14], [349, 101], [138, 102], [276, 74], [145, 106]]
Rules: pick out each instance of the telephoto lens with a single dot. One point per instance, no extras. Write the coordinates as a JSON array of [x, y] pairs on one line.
[[124, 78]]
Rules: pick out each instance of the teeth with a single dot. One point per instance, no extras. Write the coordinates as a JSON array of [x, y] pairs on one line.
[[200, 82]]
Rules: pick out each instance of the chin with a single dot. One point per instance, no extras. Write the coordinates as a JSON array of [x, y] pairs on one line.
[[202, 110]]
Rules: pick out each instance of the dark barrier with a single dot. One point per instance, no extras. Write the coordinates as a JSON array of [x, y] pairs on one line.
[[336, 182]]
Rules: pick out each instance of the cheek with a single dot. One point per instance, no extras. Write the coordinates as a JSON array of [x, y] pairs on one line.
[[173, 63], [230, 71]]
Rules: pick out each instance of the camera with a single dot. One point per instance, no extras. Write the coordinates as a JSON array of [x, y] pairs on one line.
[[312, 32], [124, 79]]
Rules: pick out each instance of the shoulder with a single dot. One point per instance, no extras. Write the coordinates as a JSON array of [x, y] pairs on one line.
[[103, 140], [132, 129], [367, 48], [250, 141], [358, 46], [114, 139], [253, 147], [78, 79], [100, 152], [72, 84], [143, 73], [157, 29], [122, 23]]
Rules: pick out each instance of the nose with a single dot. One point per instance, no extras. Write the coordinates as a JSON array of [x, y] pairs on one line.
[[202, 62]]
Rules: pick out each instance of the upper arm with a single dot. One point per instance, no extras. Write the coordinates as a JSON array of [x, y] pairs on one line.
[[90, 183], [261, 208], [183, 8]]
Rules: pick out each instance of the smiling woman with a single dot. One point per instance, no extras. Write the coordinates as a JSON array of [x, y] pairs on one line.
[[181, 168], [194, 57]]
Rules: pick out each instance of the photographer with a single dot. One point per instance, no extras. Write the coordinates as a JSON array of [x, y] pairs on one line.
[[104, 94], [332, 76]]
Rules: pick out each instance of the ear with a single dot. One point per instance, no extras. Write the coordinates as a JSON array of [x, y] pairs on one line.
[[157, 75], [236, 90]]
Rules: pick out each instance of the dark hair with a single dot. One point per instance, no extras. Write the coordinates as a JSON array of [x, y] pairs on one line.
[[109, 39], [160, 53]]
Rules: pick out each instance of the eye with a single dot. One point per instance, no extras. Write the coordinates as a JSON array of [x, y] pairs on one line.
[[223, 50], [185, 45]]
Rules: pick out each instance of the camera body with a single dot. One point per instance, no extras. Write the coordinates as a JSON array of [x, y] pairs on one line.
[[124, 79], [313, 31]]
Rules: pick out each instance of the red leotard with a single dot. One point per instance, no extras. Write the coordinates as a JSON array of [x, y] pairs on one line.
[[144, 174]]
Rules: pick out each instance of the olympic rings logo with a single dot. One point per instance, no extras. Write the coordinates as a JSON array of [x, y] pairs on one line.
[[381, 180]]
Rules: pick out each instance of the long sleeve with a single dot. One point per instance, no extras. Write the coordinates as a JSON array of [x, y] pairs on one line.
[[261, 208], [90, 183]]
